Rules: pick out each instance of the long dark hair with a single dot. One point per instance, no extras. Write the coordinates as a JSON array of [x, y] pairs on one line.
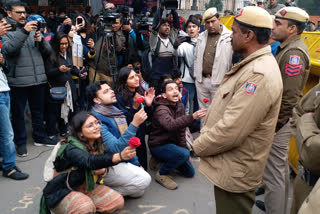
[[87, 24], [75, 130], [55, 44], [121, 86]]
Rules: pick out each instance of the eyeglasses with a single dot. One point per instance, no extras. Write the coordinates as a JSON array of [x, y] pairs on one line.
[[20, 12], [93, 124]]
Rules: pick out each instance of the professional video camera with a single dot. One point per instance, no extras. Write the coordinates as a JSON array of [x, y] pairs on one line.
[[125, 12], [171, 4], [106, 20], [144, 24]]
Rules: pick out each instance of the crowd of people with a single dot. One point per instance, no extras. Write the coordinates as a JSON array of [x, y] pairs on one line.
[[93, 84]]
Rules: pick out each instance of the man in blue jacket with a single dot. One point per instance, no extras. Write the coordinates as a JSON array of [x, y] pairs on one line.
[[127, 178]]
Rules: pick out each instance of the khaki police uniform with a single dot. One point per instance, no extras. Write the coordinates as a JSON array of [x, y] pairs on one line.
[[237, 132], [294, 62], [311, 205], [305, 128]]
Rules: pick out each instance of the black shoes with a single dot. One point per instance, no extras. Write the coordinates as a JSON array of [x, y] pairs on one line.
[[260, 205], [48, 141], [259, 191], [15, 173], [22, 150]]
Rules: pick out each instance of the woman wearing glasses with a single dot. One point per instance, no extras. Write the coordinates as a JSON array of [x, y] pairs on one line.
[[80, 162]]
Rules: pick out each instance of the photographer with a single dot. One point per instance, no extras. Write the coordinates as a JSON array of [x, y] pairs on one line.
[[25, 49], [161, 44], [184, 47], [144, 30]]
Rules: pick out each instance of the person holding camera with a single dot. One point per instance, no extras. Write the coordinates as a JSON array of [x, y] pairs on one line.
[[25, 49], [161, 44]]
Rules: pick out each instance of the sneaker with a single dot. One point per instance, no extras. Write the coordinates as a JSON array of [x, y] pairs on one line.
[[15, 173], [22, 150], [48, 141], [166, 181], [153, 163], [260, 205]]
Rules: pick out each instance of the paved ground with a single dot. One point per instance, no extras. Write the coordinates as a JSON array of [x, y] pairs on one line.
[[194, 196]]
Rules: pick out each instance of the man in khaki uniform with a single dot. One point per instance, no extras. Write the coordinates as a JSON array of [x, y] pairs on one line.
[[294, 62], [305, 128], [237, 133], [212, 57]]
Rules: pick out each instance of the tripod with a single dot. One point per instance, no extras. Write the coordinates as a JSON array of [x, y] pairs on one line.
[[108, 41]]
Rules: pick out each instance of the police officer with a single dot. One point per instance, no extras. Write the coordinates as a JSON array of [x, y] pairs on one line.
[[305, 127], [294, 62], [237, 132]]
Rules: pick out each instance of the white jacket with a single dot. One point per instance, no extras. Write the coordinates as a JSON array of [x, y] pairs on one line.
[[223, 58], [186, 50]]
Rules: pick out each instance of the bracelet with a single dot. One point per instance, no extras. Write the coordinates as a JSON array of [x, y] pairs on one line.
[[121, 159]]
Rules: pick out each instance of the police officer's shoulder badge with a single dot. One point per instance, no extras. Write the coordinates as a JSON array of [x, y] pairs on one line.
[[293, 68], [250, 88]]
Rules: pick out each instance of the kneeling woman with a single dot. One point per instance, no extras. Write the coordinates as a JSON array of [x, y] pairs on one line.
[[80, 160]]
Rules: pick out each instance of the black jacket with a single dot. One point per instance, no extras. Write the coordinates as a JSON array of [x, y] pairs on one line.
[[57, 189]]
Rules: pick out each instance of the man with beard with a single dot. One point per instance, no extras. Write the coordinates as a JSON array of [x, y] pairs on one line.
[[167, 141], [25, 49], [294, 63], [161, 44], [237, 132]]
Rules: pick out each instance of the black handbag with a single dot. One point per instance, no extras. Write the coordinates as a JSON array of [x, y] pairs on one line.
[[58, 93]]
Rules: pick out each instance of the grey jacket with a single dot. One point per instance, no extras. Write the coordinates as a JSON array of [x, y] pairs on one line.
[[25, 59]]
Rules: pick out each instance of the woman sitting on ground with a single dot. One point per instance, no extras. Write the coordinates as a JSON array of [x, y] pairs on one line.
[[81, 161]]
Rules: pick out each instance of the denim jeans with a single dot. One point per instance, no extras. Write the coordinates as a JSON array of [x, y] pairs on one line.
[[191, 87], [7, 149], [174, 157], [35, 96]]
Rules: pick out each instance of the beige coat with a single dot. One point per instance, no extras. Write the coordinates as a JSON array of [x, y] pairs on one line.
[[240, 124], [223, 58], [312, 205]]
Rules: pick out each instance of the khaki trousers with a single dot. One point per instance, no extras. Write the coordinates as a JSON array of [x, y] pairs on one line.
[[233, 203], [301, 191], [205, 90], [276, 173]]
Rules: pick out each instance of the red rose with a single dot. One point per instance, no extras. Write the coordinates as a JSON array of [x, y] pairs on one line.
[[134, 142], [206, 100], [139, 100]]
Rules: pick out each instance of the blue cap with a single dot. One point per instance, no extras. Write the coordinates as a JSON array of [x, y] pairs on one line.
[[36, 18]]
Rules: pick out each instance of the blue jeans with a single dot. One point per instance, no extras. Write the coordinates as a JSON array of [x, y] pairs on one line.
[[191, 87], [174, 157], [7, 149]]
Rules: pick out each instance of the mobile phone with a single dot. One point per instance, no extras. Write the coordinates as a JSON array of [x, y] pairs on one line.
[[69, 65], [79, 21], [13, 27]]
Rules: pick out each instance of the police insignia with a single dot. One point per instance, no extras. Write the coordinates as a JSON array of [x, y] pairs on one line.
[[293, 70], [283, 12], [294, 60], [250, 88]]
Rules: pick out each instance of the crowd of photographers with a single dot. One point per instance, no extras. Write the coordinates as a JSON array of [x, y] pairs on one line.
[[48, 60]]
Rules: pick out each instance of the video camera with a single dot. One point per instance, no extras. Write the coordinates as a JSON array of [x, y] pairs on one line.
[[171, 4], [144, 24], [107, 19], [125, 12]]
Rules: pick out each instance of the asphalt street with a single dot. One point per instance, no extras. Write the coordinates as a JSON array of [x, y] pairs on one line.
[[193, 196]]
